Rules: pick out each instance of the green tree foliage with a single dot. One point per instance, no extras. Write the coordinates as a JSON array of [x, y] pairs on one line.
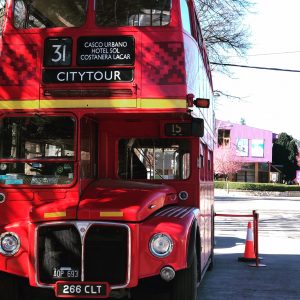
[[285, 153], [243, 121]]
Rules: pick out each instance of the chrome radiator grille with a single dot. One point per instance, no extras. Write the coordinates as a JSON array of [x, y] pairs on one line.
[[81, 251]]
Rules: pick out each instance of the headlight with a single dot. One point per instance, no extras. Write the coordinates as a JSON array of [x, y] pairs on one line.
[[161, 245], [9, 243]]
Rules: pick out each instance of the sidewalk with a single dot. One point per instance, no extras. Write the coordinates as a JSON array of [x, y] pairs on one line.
[[242, 193]]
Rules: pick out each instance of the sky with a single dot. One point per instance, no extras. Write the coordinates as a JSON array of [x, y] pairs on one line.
[[269, 100]]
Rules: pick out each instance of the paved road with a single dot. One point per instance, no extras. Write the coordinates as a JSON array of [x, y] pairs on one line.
[[279, 245]]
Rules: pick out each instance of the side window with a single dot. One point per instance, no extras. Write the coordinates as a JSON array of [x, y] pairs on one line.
[[88, 153], [185, 16], [201, 157], [210, 165], [2, 14], [199, 33], [186, 171], [201, 161]]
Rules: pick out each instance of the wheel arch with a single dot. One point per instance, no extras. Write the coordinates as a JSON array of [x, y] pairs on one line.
[[194, 242]]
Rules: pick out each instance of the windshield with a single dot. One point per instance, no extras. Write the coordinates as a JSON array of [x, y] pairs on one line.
[[133, 13], [37, 150], [48, 14], [154, 159]]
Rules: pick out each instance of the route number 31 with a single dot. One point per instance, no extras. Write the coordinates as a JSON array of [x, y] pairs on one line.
[[58, 52]]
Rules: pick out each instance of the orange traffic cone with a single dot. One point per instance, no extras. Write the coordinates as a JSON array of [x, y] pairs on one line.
[[249, 254]]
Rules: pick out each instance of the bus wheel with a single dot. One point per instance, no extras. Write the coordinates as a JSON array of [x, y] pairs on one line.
[[9, 288], [184, 285], [146, 290]]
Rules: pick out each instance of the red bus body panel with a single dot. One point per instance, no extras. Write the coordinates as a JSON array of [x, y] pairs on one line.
[[168, 66]]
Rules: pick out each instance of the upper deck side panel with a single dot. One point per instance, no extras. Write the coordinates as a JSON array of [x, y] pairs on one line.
[[198, 75], [163, 66], [199, 84]]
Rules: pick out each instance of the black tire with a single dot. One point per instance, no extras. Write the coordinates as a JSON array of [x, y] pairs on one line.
[[150, 289], [184, 285], [9, 287]]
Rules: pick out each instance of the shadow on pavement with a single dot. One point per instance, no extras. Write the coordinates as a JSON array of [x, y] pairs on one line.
[[233, 280], [227, 242]]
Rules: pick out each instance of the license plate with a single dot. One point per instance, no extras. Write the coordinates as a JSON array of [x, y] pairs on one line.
[[65, 273], [82, 289]]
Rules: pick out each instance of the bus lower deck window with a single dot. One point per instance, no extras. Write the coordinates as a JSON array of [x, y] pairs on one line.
[[37, 150], [154, 159]]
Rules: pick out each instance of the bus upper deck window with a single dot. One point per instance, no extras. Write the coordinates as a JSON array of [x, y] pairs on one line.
[[116, 13], [2, 13], [49, 14]]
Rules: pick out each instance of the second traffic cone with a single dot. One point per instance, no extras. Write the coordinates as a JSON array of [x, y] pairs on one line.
[[249, 254]]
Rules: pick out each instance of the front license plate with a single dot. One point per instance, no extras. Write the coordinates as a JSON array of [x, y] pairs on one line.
[[83, 290]]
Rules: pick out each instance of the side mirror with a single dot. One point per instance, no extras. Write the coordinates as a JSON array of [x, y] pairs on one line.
[[202, 102]]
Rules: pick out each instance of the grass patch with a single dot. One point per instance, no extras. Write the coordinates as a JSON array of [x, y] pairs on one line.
[[251, 186]]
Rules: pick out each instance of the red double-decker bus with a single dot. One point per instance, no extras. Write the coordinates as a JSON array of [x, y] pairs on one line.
[[106, 138]]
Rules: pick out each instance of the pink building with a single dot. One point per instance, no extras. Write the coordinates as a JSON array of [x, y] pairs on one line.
[[252, 146]]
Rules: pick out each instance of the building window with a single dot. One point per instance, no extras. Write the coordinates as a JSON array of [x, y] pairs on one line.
[[223, 137], [242, 147], [257, 148]]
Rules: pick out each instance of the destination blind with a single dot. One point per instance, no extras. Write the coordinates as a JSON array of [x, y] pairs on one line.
[[105, 51]]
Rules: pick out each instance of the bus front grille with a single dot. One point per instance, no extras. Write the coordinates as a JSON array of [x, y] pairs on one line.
[[101, 253]]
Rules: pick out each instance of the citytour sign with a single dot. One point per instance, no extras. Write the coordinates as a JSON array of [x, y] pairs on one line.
[[87, 75]]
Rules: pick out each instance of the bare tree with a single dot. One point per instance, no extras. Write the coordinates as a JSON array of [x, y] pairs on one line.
[[223, 29]]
